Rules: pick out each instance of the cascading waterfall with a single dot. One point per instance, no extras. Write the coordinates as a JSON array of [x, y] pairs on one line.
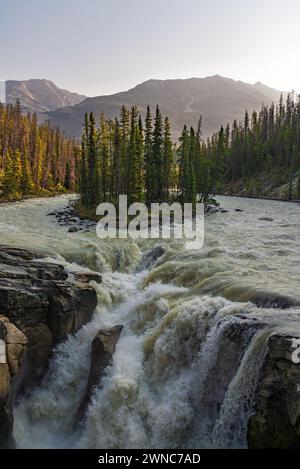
[[188, 362], [152, 394], [230, 429]]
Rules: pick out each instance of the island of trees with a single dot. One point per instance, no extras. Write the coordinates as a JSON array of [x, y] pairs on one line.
[[128, 156]]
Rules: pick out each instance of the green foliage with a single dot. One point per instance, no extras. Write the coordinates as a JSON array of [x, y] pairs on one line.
[[126, 157], [12, 175], [298, 184], [123, 157], [33, 158], [269, 141]]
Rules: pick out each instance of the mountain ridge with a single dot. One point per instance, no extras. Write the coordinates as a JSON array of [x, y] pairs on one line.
[[40, 95], [218, 99]]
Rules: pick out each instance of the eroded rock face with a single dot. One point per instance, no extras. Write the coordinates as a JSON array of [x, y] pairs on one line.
[[103, 347], [13, 345], [40, 307], [276, 423], [39, 300]]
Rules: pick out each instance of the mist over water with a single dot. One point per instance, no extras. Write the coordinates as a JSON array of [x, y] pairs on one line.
[[196, 325]]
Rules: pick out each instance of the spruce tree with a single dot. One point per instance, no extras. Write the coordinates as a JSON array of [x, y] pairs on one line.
[[67, 182], [156, 166], [12, 175], [117, 160], [148, 161], [298, 185], [124, 130], [167, 159], [26, 182], [183, 156], [132, 158]]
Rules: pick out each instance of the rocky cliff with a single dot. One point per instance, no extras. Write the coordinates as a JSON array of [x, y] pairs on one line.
[[39, 307], [276, 422]]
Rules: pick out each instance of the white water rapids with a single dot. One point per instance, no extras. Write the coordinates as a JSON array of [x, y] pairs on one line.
[[178, 378]]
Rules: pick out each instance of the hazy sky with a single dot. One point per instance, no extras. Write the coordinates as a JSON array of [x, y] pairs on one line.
[[103, 46]]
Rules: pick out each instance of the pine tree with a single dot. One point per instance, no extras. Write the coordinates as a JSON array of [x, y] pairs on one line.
[[167, 159], [67, 182], [132, 159], [26, 182], [148, 165], [157, 159], [190, 182], [183, 153], [117, 160], [124, 129], [92, 176], [298, 185], [198, 170], [12, 175], [140, 161], [83, 179], [104, 150]]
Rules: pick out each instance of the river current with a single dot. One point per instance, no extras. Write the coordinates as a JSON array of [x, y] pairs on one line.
[[174, 381]]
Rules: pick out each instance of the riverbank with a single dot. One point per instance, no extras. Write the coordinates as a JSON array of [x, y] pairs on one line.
[[272, 185], [43, 195], [297, 201]]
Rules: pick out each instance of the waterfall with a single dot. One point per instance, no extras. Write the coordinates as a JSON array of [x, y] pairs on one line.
[[154, 392], [196, 327]]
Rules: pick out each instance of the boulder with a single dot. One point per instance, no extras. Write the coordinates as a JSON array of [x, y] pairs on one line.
[[103, 347], [150, 257], [12, 352], [276, 422], [211, 208], [266, 219], [86, 277], [73, 229]]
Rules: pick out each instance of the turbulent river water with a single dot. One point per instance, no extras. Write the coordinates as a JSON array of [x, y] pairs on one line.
[[174, 381]]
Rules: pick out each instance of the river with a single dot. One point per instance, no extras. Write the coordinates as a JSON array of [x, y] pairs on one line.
[[174, 381]]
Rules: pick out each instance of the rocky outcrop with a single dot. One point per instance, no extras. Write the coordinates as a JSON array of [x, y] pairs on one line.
[[151, 257], [69, 218], [85, 277], [211, 208], [12, 352], [39, 300], [276, 423], [40, 306], [103, 347]]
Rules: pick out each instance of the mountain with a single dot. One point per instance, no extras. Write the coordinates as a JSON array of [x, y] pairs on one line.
[[40, 96], [219, 100]]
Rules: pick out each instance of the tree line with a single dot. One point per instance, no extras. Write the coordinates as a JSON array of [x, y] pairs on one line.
[[128, 156], [265, 142], [34, 158]]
